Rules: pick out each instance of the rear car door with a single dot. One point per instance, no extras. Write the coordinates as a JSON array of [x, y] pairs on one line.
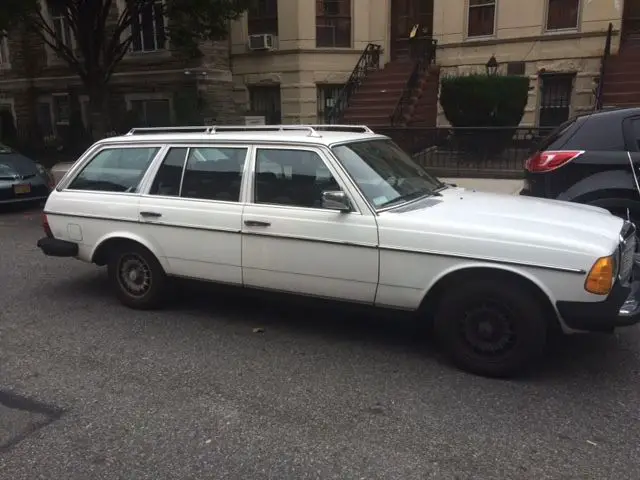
[[193, 213], [291, 243]]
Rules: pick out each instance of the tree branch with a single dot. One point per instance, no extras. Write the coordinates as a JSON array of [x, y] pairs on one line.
[[48, 35]]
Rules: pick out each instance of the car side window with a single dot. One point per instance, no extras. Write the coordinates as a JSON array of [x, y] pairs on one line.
[[169, 176], [635, 123], [291, 177], [115, 170], [214, 173]]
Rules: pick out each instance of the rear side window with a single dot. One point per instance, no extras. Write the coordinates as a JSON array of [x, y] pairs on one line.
[[169, 176], [115, 170], [635, 132], [598, 133], [207, 173]]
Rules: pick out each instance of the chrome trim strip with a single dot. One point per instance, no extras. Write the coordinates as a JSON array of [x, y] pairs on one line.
[[338, 242], [158, 223], [487, 259], [311, 239]]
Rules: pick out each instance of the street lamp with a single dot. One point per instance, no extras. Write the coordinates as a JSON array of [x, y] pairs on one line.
[[492, 66]]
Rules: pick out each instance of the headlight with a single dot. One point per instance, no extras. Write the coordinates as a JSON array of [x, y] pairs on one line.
[[602, 276]]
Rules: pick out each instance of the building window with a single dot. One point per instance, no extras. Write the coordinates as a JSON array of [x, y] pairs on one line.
[[265, 102], [148, 29], [60, 22], [482, 15], [562, 14], [327, 96], [4, 51], [333, 23], [61, 109], [152, 112], [262, 17], [555, 102]]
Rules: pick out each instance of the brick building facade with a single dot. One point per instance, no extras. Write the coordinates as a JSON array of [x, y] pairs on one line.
[[153, 80]]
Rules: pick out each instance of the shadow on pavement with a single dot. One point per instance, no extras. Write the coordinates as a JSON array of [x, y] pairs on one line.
[[21, 416], [600, 356]]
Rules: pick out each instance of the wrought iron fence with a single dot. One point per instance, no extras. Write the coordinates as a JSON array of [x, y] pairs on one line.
[[424, 55], [482, 152]]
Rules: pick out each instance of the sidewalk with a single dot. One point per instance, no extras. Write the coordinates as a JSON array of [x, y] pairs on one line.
[[511, 187]]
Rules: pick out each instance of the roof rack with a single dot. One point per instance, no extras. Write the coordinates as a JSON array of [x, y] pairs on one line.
[[147, 130], [265, 128], [342, 128], [312, 130]]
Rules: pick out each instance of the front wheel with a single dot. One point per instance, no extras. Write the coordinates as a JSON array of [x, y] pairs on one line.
[[137, 277], [491, 327]]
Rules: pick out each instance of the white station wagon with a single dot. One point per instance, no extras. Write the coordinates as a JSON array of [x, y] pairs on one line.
[[342, 213]]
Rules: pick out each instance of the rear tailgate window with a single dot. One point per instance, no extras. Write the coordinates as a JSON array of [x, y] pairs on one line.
[[556, 139]]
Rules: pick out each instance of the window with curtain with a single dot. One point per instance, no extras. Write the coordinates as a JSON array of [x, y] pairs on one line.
[[333, 23]]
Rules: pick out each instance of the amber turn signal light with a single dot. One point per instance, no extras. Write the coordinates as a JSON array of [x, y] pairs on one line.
[[601, 276]]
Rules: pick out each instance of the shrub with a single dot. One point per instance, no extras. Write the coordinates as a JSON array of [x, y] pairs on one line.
[[476, 103], [484, 100]]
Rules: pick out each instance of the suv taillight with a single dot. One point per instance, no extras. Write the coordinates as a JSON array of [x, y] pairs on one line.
[[46, 227], [550, 160]]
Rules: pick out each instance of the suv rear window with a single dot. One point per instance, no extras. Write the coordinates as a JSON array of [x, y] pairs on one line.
[[556, 134]]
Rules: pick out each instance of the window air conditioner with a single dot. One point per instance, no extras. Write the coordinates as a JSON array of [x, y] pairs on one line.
[[263, 41]]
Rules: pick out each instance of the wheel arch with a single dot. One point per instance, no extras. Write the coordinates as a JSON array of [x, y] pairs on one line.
[[613, 184], [455, 275], [99, 256]]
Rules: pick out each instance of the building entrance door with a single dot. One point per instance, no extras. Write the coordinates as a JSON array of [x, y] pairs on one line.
[[408, 15]]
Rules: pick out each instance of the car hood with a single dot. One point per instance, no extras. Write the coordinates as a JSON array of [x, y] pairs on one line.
[[508, 227]]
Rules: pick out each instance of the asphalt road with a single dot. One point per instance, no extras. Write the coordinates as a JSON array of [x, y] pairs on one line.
[[91, 390]]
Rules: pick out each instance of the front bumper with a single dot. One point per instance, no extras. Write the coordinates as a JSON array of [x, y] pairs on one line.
[[54, 247], [620, 309]]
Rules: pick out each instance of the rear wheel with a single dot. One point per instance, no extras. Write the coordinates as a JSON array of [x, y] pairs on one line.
[[491, 328], [137, 277]]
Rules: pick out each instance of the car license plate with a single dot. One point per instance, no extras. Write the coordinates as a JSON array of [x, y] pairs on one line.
[[21, 189]]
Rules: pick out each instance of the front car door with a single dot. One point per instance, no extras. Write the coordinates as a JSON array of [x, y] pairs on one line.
[[291, 243], [193, 212]]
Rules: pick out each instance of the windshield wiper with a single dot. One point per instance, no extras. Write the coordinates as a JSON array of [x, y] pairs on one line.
[[408, 197]]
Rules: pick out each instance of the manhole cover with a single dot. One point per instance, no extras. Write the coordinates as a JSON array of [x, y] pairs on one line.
[[21, 416]]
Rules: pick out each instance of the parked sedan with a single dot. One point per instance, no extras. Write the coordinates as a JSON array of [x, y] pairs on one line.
[[22, 179]]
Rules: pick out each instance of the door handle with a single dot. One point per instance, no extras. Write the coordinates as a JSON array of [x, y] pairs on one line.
[[255, 223], [151, 214]]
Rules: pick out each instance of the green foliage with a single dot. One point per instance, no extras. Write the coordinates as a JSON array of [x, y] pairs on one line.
[[484, 100], [103, 36]]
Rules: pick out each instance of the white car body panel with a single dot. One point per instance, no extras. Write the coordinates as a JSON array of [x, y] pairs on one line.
[[389, 258]]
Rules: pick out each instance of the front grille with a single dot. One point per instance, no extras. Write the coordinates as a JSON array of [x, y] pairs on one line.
[[627, 251]]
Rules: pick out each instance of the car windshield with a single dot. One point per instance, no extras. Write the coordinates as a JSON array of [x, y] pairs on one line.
[[386, 174]]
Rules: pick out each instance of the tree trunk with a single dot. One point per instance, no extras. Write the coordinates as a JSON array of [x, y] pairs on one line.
[[99, 111]]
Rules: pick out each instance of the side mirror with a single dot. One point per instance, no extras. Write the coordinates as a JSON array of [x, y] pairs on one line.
[[336, 200]]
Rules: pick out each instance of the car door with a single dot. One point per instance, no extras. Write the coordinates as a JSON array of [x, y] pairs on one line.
[[193, 211], [291, 243]]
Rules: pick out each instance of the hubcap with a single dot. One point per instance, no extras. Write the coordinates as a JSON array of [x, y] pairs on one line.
[[488, 329], [134, 275]]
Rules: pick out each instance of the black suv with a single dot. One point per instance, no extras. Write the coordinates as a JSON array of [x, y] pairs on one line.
[[586, 160]]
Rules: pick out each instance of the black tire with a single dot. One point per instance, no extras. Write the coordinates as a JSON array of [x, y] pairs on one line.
[[144, 289], [493, 328]]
